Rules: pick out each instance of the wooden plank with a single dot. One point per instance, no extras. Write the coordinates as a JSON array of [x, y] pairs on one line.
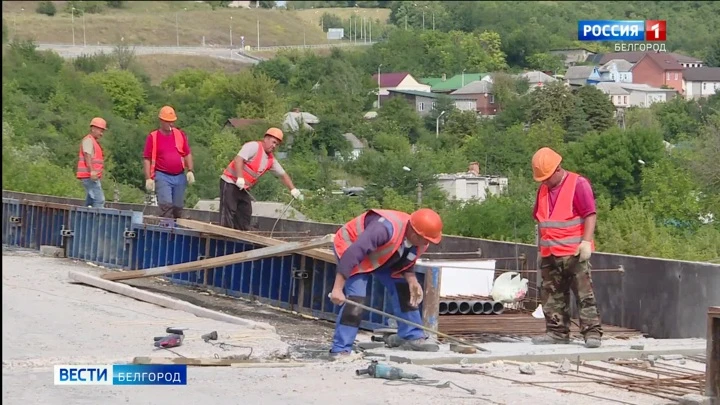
[[247, 256], [164, 301], [321, 254], [712, 356], [193, 361]]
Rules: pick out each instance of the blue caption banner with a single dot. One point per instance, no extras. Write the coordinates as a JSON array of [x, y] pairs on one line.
[[611, 30], [121, 374]]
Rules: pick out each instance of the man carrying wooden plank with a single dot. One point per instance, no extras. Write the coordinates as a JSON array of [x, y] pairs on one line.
[[385, 244]]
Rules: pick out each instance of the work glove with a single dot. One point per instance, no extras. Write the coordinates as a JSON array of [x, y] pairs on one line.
[[240, 183], [297, 194], [416, 294], [150, 185], [190, 177], [584, 250], [93, 175]]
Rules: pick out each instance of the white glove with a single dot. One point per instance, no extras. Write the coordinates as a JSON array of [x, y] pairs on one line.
[[584, 250], [240, 183], [297, 194], [190, 177], [150, 185]]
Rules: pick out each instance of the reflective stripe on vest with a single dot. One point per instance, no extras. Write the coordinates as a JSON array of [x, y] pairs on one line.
[[179, 145], [97, 161], [349, 233], [251, 169], [560, 232]]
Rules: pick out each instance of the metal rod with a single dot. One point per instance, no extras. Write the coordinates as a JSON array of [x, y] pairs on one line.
[[416, 325]]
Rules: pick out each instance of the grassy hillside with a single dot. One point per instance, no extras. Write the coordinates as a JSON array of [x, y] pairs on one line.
[[160, 67], [154, 23]]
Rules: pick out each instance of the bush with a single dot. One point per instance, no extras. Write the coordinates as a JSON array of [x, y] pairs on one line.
[[47, 8], [115, 4]]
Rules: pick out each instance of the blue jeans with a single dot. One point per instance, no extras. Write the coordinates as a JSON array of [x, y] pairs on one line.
[[170, 192], [94, 195], [356, 286]]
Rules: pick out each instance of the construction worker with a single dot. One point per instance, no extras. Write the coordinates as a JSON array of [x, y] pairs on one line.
[[90, 164], [253, 160], [385, 244], [168, 164], [566, 216]]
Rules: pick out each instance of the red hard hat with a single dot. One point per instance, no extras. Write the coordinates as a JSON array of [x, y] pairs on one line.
[[428, 224]]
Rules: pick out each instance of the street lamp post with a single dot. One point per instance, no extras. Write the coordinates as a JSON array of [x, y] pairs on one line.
[[72, 21], [437, 125], [84, 39], [177, 31], [418, 189], [379, 66], [231, 32]]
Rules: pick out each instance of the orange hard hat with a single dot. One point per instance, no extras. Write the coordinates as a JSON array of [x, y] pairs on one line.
[[544, 163], [428, 224], [167, 114], [275, 133], [98, 122]]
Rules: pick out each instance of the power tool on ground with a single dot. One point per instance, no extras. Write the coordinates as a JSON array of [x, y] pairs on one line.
[[379, 370], [174, 338]]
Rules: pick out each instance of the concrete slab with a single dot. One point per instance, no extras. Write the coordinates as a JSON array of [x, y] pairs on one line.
[[527, 352], [47, 320]]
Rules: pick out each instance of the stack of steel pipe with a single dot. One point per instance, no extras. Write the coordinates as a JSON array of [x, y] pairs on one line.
[[465, 307]]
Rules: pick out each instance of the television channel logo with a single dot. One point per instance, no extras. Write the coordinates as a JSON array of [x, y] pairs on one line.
[[121, 374], [622, 30]]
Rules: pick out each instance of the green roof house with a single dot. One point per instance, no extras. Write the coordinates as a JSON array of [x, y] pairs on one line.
[[447, 86]]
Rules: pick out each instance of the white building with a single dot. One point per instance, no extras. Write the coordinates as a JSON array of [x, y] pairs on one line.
[[471, 186]]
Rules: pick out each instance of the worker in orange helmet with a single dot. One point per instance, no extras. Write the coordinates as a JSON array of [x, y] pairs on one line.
[[254, 159], [91, 163], [566, 216], [385, 244], [168, 164]]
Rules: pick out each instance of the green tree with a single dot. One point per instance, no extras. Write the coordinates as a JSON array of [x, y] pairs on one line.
[[551, 102], [125, 90], [47, 8], [598, 108]]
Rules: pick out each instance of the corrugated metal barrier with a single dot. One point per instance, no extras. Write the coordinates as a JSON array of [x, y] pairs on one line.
[[119, 239]]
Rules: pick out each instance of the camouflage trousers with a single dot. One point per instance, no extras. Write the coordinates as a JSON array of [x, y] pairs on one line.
[[560, 275]]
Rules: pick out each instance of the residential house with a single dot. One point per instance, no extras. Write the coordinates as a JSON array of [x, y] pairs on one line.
[[481, 92], [582, 75], [617, 94], [658, 69], [397, 81], [240, 123], [634, 57], [572, 56], [447, 86], [295, 119], [535, 78], [421, 101], [471, 186], [701, 82], [357, 145], [616, 70], [643, 95]]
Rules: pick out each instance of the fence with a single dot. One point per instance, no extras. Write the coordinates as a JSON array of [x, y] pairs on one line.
[[119, 239]]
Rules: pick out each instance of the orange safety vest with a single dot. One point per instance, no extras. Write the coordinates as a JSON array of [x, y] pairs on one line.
[[179, 143], [560, 232], [97, 161], [349, 233], [251, 170]]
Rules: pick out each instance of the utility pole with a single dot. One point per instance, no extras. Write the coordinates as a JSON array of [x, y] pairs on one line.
[[379, 66], [258, 33], [177, 31], [84, 40], [231, 32], [72, 21], [371, 30]]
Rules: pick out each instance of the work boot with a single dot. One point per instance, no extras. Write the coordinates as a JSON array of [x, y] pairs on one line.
[[548, 339], [417, 345], [344, 357], [593, 341]]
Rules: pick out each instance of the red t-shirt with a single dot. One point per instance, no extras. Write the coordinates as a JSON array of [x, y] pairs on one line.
[[169, 159], [583, 200]]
